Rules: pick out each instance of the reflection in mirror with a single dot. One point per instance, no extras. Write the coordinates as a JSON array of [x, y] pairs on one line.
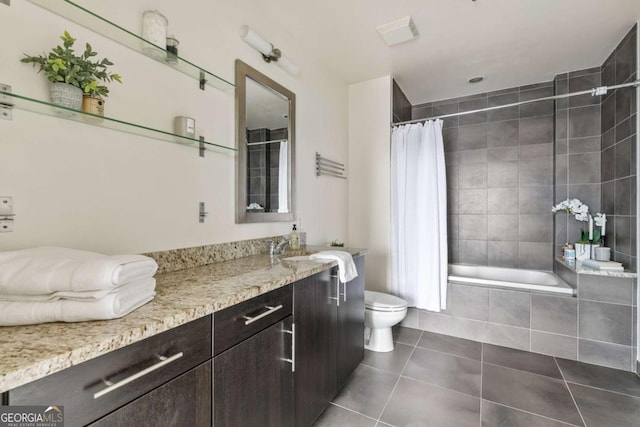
[[267, 124], [265, 113]]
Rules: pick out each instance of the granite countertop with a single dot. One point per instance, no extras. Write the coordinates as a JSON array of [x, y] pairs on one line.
[[577, 267], [32, 352]]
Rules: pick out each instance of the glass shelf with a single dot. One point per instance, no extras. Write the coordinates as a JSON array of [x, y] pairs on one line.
[[100, 25], [41, 107]]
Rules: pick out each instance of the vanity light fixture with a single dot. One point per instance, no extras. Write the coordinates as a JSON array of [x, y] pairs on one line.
[[269, 52]]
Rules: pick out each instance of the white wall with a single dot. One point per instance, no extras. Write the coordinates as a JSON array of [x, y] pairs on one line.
[[369, 169], [96, 189]]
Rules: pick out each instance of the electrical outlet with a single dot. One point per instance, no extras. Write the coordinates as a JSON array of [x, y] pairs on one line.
[[6, 225], [6, 205]]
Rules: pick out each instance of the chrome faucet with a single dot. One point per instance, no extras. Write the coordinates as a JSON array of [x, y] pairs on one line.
[[280, 247]]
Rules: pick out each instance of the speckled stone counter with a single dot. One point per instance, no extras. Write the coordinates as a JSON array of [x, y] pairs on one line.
[[28, 353], [577, 267]]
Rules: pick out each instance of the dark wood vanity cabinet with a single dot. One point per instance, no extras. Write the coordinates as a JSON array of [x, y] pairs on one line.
[[315, 315], [128, 376], [254, 362], [329, 318], [183, 401], [350, 347]]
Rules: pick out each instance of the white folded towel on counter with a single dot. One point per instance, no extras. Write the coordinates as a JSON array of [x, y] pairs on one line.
[[346, 267], [117, 303], [86, 296], [45, 270]]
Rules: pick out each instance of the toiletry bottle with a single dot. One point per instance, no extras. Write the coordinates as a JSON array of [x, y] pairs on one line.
[[294, 238]]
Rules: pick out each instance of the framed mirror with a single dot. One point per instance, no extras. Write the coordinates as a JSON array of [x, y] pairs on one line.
[[265, 137]]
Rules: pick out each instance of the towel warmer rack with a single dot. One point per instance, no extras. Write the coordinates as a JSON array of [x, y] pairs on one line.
[[329, 167]]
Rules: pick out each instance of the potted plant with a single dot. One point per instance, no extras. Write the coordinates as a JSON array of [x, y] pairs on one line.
[[73, 76], [587, 243]]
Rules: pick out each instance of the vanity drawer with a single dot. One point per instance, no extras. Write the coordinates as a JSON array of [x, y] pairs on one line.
[[237, 323], [132, 371]]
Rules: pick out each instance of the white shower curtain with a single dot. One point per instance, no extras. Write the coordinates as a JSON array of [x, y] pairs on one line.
[[283, 177], [419, 263]]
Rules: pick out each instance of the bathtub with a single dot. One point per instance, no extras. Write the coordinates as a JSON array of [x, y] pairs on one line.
[[509, 278]]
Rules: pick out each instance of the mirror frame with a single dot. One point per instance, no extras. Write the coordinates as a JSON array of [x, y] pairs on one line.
[[244, 71]]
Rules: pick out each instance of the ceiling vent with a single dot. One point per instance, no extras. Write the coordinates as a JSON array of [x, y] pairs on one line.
[[398, 31]]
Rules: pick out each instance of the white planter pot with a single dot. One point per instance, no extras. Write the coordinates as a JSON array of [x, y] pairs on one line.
[[66, 95], [584, 251]]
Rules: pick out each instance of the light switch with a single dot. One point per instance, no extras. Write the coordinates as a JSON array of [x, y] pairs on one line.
[[6, 205]]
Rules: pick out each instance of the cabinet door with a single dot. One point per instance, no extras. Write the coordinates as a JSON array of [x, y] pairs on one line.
[[183, 401], [314, 311], [350, 349], [252, 381]]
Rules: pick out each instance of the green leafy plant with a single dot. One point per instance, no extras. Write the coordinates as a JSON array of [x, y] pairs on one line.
[[584, 238], [337, 243], [62, 65]]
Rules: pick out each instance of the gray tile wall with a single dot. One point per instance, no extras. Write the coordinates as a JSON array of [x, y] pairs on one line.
[[618, 155], [263, 161], [401, 106], [577, 151], [500, 177], [599, 326], [595, 151]]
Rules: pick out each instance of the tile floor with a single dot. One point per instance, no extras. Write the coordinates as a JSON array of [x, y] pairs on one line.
[[438, 380]]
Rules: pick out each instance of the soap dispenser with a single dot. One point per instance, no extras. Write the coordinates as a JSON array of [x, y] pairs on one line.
[[294, 238]]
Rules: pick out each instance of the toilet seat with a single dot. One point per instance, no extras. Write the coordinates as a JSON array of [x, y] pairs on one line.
[[377, 301]]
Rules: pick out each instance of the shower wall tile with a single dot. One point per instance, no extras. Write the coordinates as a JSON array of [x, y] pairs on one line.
[[472, 201], [503, 253], [473, 176], [554, 345], [511, 308], [503, 133], [536, 130], [535, 255], [605, 322], [469, 302], [502, 174], [558, 315], [473, 227], [473, 252], [584, 121], [502, 200], [535, 200], [605, 354], [503, 227], [536, 228]]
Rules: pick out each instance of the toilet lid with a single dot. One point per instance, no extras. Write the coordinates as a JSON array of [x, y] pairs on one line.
[[380, 301]]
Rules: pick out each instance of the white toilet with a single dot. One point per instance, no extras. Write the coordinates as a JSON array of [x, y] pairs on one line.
[[381, 313]]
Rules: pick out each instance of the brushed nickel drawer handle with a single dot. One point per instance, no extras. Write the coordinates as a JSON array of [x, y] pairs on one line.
[[250, 320], [114, 386]]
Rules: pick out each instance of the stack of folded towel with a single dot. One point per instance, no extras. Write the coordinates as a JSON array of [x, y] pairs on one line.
[[50, 284], [346, 267]]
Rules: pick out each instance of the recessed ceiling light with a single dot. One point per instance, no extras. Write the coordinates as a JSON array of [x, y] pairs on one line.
[[476, 79], [398, 31]]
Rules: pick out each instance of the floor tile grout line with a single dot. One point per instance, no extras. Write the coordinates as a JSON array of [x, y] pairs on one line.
[[570, 393], [351, 410], [604, 389], [396, 385], [438, 386], [450, 354], [529, 412], [527, 372]]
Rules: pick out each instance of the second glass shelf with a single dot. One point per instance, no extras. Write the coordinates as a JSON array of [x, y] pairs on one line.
[[46, 108], [95, 22]]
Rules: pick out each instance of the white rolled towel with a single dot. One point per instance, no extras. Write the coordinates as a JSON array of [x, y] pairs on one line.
[[346, 267], [117, 303], [45, 270]]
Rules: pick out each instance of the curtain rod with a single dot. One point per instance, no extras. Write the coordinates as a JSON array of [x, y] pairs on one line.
[[266, 142], [602, 90]]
